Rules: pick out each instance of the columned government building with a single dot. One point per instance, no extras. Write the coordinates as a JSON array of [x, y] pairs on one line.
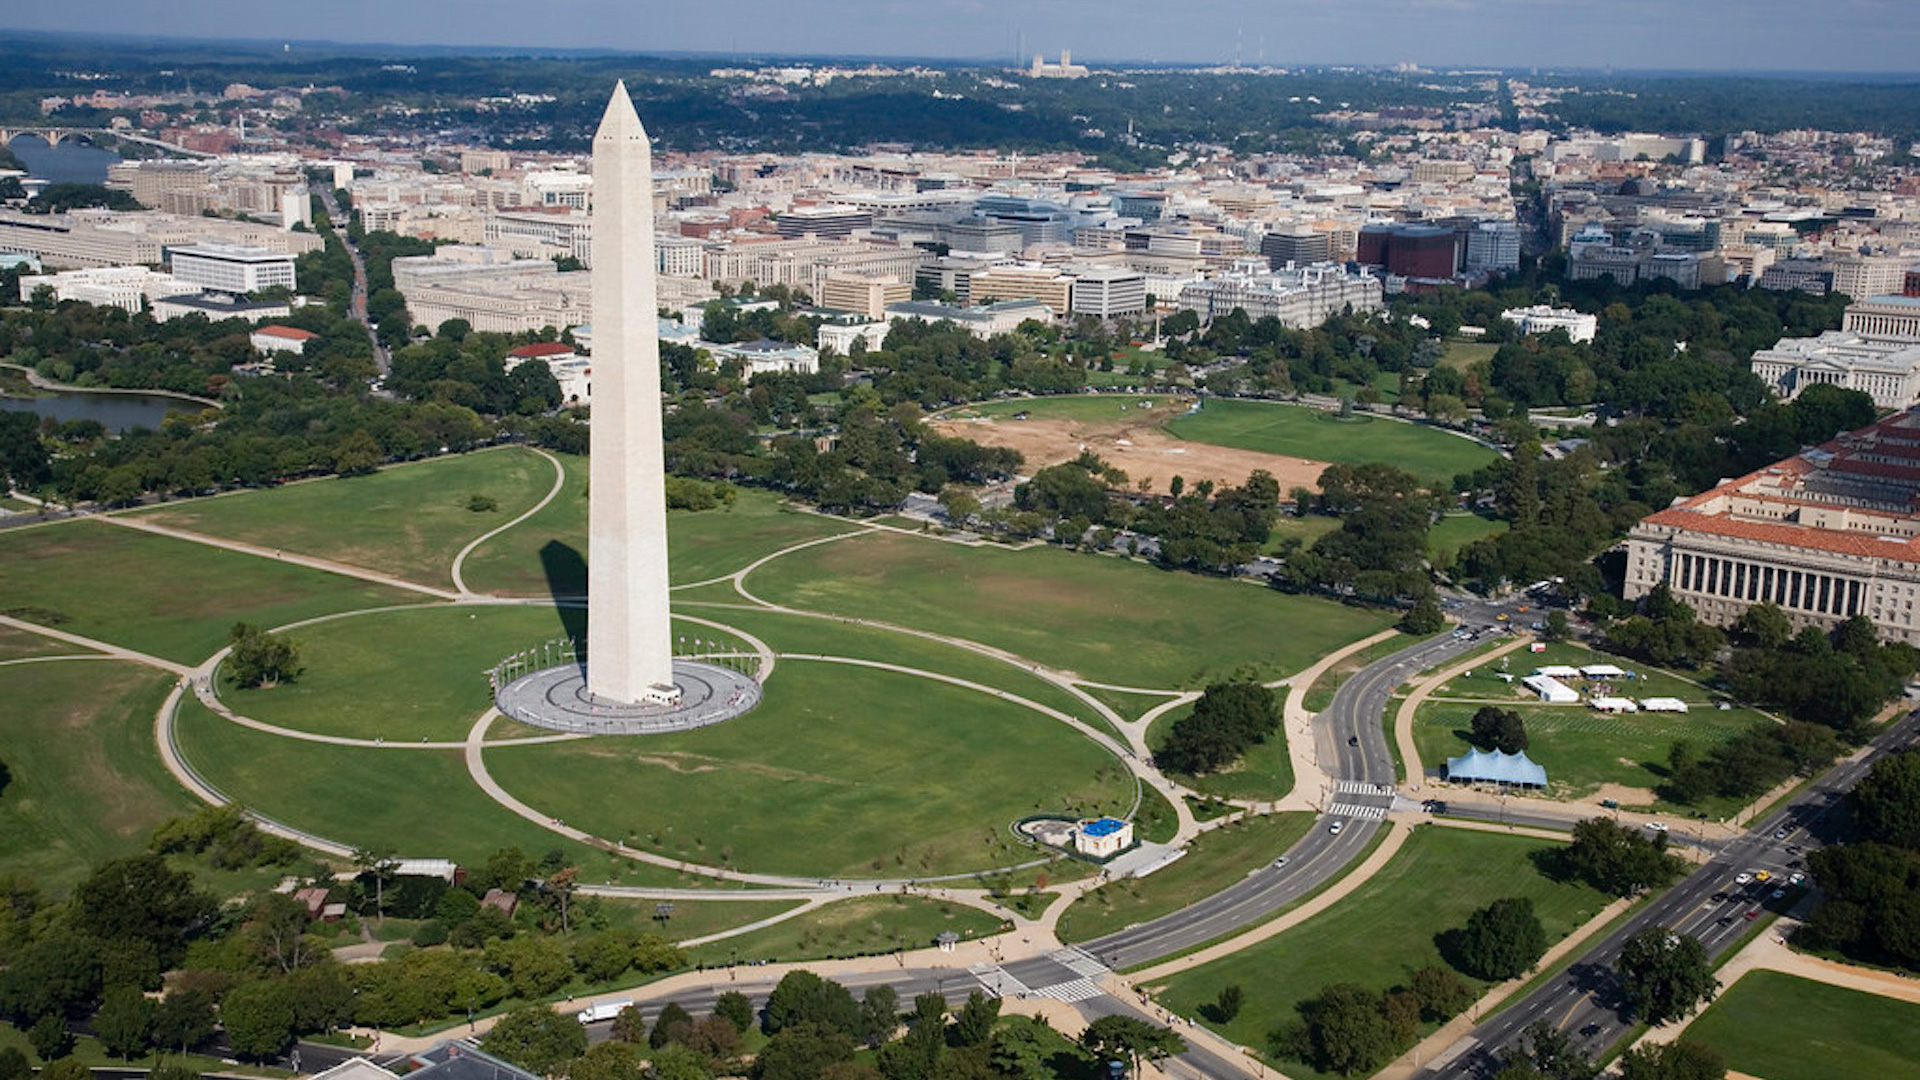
[[1829, 533]]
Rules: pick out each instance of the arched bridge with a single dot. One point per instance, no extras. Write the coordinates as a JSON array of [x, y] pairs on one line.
[[55, 135]]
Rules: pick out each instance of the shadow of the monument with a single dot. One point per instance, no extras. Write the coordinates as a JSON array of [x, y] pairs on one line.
[[567, 584]]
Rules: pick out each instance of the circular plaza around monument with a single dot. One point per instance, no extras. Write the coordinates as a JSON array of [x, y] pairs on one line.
[[556, 698]]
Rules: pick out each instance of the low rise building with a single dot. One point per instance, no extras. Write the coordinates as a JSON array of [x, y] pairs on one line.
[[765, 357], [1103, 838], [279, 339], [982, 322], [128, 288]]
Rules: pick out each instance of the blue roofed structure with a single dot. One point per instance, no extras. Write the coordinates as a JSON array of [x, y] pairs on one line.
[[1496, 767], [1105, 826]]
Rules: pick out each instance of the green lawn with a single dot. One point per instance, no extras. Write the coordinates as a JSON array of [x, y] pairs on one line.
[[1306, 529], [1781, 1027], [1484, 682], [1274, 428], [406, 675], [1264, 772], [1455, 531], [841, 772], [1465, 354], [851, 928], [801, 634], [1083, 407], [1104, 619], [92, 1054], [1212, 862], [1384, 930], [19, 644], [546, 554], [1130, 706], [86, 782], [1583, 749], [173, 598], [688, 919], [421, 803], [405, 520]]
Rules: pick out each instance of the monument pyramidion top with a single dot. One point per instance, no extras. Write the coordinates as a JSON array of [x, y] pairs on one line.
[[620, 121]]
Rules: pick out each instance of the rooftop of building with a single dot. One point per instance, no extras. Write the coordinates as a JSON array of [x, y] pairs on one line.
[[1856, 495]]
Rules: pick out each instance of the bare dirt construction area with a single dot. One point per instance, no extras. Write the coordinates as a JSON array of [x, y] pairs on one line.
[[1138, 444]]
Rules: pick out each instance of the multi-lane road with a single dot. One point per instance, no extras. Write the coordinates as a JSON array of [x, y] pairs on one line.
[[1351, 740], [1711, 904]]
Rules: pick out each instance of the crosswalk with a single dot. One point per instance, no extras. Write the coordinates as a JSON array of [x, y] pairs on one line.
[[1356, 787], [995, 980], [1359, 810], [1072, 991], [1078, 961]]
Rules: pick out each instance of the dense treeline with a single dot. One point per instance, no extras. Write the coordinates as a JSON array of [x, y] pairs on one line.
[[262, 968], [1871, 885], [814, 1029]]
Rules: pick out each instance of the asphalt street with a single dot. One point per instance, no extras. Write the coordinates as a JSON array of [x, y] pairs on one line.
[[1711, 904]]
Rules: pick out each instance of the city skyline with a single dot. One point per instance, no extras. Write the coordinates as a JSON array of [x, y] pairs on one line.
[[1851, 35]]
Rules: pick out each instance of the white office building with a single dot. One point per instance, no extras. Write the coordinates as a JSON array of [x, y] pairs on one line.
[[231, 268], [1107, 291]]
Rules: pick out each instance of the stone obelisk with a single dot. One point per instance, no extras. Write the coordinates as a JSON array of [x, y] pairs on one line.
[[629, 631]]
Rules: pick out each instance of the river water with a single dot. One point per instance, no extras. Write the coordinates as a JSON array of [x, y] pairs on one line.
[[116, 412], [72, 162]]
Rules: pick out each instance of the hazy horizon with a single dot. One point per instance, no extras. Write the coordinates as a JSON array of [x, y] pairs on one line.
[[1755, 36]]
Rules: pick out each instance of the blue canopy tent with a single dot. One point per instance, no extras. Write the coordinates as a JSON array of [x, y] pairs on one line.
[[1496, 767]]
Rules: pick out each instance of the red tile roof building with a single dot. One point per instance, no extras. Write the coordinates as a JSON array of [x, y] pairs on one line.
[[1829, 533]]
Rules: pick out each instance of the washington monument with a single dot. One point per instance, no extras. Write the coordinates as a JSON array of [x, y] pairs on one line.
[[629, 631]]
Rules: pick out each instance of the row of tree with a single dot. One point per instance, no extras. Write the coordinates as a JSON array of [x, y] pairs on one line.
[[815, 1030]]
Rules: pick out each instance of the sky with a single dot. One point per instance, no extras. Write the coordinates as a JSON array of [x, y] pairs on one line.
[[1750, 35]]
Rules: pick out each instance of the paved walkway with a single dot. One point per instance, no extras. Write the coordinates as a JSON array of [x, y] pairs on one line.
[[1403, 720], [1309, 779], [308, 561], [559, 483]]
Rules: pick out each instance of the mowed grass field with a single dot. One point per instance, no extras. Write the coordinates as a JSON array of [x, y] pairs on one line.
[[805, 635], [1274, 428], [1213, 861], [1781, 1027], [405, 520], [20, 644], [1083, 407], [841, 772], [849, 928], [1384, 930], [1583, 749], [1104, 619], [1264, 772], [86, 781], [546, 554], [1455, 531], [421, 803], [175, 599], [408, 674]]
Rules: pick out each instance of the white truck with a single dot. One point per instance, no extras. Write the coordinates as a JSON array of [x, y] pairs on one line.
[[605, 1010]]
